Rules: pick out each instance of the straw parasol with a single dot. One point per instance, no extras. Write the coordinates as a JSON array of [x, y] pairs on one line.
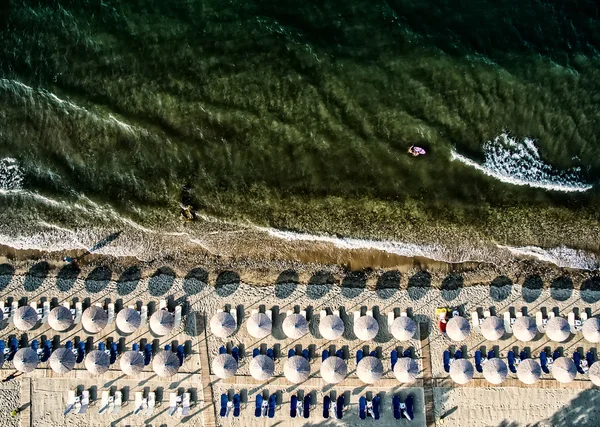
[[262, 367], [403, 328], [558, 329], [25, 360], [132, 363], [97, 362], [334, 369], [296, 369], [406, 370], [259, 325], [60, 318], [369, 369], [222, 324], [594, 373], [128, 320], [492, 328], [461, 371], [524, 328], [564, 370], [591, 330], [62, 360], [165, 364], [458, 328], [25, 318], [331, 327], [295, 326], [366, 328], [495, 371], [529, 371], [224, 365], [162, 322], [94, 319]]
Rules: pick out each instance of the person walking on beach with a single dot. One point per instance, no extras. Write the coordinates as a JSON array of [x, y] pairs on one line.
[[15, 412]]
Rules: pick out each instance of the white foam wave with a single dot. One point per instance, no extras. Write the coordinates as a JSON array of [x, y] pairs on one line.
[[518, 162], [561, 256], [11, 175]]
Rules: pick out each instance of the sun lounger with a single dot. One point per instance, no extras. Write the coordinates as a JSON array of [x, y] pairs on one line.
[[143, 315], [475, 320], [70, 402], [78, 312], [544, 362], [396, 407], [306, 354], [138, 402], [409, 411], [356, 315], [373, 353], [303, 314], [80, 352], [173, 404], [322, 314], [151, 403], [35, 346], [46, 311], [85, 402], [177, 321], [265, 407], [551, 315], [376, 401], [589, 357], [511, 362], [306, 406], [393, 358], [235, 352], [369, 313], [13, 309], [223, 350], [339, 407], [5, 310], [39, 311], [46, 351], [390, 318], [458, 355], [269, 314], [103, 402], [340, 353], [359, 355], [555, 355], [185, 405], [236, 405], [522, 355], [255, 352], [446, 357], [233, 313], [117, 403], [270, 353], [508, 322], [571, 321], [114, 352], [257, 408], [272, 403], [362, 408], [324, 355], [486, 314], [111, 313], [539, 321], [3, 350], [293, 406], [336, 313], [181, 354], [13, 347], [491, 354], [477, 357], [577, 361], [77, 404], [147, 354], [583, 316], [326, 406], [162, 304], [291, 353]]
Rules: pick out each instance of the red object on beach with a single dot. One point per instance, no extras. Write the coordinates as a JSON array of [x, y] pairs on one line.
[[442, 327]]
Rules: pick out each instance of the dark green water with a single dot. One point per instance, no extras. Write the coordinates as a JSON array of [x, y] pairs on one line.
[[298, 114]]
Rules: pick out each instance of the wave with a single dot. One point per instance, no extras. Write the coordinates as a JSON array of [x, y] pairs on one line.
[[518, 162], [11, 175], [561, 256]]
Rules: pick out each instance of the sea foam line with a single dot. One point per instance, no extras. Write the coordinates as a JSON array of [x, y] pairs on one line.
[[561, 256]]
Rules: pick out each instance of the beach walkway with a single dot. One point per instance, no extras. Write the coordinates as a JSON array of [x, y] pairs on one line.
[[427, 375]]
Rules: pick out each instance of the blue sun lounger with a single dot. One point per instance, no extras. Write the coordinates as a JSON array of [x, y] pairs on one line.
[[270, 353], [376, 401], [293, 406], [235, 352], [577, 361], [13, 347], [35, 346], [523, 355], [446, 361], [69, 345], [409, 408], [80, 352], [511, 362], [544, 362], [324, 355], [556, 354], [114, 352], [222, 350], [147, 354], [255, 352], [2, 348], [340, 353], [407, 353], [101, 346], [362, 408], [291, 353], [393, 358], [135, 347], [326, 406], [458, 355], [46, 350], [396, 407], [306, 406], [339, 410], [477, 357], [359, 355], [272, 403], [491, 354], [168, 347], [257, 408], [224, 401], [589, 356], [181, 354], [373, 353], [236, 405], [306, 354]]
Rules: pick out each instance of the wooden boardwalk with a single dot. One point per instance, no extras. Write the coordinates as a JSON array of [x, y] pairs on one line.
[[427, 375], [209, 413]]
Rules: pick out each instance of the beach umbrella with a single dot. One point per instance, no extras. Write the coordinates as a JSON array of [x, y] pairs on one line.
[[406, 370], [132, 363], [295, 326], [262, 367], [333, 369], [529, 371], [369, 369], [94, 319], [296, 369], [524, 329], [162, 322], [564, 370], [331, 327], [366, 328], [458, 328], [594, 373], [591, 330], [60, 318], [165, 364], [224, 365], [222, 324], [97, 362], [492, 328], [25, 318], [558, 329], [128, 320], [403, 328], [62, 360], [461, 371], [259, 325], [495, 371], [25, 360]]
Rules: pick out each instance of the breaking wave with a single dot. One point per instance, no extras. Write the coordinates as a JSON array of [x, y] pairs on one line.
[[11, 175], [560, 256]]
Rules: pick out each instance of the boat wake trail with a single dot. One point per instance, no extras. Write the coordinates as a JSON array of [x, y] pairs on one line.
[[518, 162]]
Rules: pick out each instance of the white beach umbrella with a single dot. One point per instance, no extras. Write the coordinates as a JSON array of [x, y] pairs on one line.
[[222, 324], [461, 371], [406, 370], [495, 371], [564, 370], [591, 330], [25, 360], [403, 328], [62, 360], [369, 369], [259, 325], [295, 326], [128, 320], [334, 369], [94, 319], [60, 318], [366, 328], [558, 329], [162, 322], [97, 362], [524, 329], [458, 328], [331, 327], [262, 367], [594, 373], [224, 365], [492, 328], [132, 363], [296, 369], [25, 318], [529, 371], [165, 363]]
